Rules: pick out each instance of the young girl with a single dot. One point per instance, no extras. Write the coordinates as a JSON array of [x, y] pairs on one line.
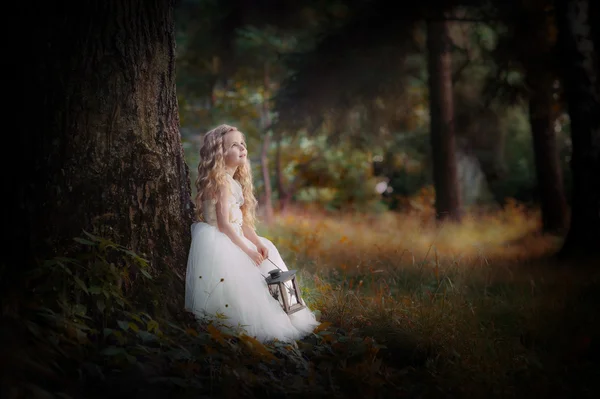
[[227, 260]]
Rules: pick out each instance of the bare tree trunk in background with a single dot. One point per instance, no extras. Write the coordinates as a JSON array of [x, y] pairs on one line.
[[283, 194], [443, 141], [264, 157], [549, 175], [579, 46], [102, 150], [538, 57]]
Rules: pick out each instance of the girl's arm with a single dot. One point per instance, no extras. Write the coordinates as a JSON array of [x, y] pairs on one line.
[[250, 234], [223, 220]]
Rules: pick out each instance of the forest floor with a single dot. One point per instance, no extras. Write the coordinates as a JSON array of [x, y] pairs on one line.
[[407, 310]]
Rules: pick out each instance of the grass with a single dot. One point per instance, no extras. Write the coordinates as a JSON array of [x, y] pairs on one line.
[[476, 309], [408, 309]]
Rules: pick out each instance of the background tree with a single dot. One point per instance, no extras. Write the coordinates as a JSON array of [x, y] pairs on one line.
[[579, 41], [441, 105], [526, 50]]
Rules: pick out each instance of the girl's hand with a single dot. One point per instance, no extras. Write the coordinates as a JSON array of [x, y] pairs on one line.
[[256, 257], [262, 250]]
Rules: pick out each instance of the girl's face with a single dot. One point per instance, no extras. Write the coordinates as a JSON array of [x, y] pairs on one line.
[[234, 149]]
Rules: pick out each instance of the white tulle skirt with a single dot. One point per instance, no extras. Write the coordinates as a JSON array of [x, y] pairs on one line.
[[222, 282]]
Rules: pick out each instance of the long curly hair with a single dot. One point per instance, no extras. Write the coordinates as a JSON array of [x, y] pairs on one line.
[[212, 175]]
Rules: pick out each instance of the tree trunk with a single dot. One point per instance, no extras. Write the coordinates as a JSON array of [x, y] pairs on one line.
[[282, 193], [103, 153], [264, 156], [539, 58], [547, 165], [581, 79], [443, 141], [264, 163]]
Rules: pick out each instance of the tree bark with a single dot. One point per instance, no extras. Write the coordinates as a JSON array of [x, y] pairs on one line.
[[104, 152], [537, 51], [282, 193], [581, 79], [443, 140], [264, 163], [264, 156], [547, 165]]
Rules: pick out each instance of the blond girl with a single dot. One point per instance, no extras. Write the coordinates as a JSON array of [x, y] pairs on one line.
[[227, 261]]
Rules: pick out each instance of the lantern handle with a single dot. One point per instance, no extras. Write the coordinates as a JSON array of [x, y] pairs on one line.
[[273, 265]]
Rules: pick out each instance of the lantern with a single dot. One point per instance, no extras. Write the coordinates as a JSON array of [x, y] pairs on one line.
[[284, 287]]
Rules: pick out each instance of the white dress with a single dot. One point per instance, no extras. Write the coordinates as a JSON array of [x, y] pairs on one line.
[[222, 280]]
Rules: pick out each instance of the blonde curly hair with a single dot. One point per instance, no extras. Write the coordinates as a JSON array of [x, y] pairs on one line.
[[212, 175]]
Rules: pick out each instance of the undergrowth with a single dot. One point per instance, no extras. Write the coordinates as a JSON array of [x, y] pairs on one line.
[[407, 309]]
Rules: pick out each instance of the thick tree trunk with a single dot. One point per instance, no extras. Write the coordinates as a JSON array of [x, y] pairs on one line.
[[547, 165], [104, 153], [443, 141], [581, 79]]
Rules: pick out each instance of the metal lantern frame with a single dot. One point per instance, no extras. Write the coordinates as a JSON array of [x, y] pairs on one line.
[[276, 284]]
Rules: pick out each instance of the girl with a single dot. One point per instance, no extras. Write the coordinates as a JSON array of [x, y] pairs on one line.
[[227, 260]]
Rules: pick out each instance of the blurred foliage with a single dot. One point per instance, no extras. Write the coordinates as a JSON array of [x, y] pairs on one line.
[[372, 104]]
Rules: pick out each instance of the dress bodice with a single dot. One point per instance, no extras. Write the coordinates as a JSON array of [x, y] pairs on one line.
[[235, 200]]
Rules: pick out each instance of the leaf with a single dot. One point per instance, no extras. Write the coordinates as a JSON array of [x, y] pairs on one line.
[[80, 309], [146, 336], [215, 334], [134, 326], [191, 331], [257, 346], [146, 274], [113, 351], [93, 237], [321, 327], [138, 259], [152, 325], [81, 284], [95, 290], [123, 324], [64, 267], [84, 241]]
